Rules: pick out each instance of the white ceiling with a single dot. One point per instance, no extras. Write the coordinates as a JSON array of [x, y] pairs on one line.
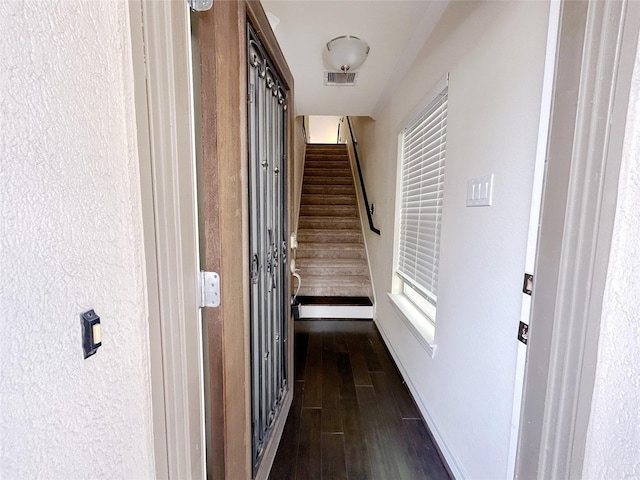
[[395, 30]]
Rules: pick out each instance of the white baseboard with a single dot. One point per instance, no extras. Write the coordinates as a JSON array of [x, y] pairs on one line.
[[336, 311]]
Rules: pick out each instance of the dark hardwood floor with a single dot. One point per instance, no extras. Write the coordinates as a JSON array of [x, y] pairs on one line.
[[351, 417]]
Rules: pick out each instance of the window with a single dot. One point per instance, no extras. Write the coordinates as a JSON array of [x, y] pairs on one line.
[[423, 144]]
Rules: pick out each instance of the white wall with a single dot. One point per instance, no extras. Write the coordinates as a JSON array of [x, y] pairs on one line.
[[323, 129], [613, 437], [70, 240], [494, 52]]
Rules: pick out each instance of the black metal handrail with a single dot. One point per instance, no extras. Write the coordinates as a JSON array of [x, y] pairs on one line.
[[304, 128], [364, 190]]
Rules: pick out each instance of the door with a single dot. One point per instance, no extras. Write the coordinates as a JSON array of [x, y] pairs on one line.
[[267, 115], [243, 216]]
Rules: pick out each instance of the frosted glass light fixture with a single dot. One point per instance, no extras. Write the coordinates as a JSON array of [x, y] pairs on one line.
[[347, 52]]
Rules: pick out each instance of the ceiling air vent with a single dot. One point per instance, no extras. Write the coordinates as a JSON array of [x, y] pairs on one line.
[[340, 78]]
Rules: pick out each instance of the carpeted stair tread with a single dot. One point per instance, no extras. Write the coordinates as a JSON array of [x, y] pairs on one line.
[[348, 287], [327, 199], [321, 164], [330, 250], [328, 189], [333, 266], [329, 210], [329, 236], [336, 222], [318, 180]]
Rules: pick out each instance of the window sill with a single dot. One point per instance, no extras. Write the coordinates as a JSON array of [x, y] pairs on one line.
[[419, 325]]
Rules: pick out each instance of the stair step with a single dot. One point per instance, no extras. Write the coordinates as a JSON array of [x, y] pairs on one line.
[[341, 262], [331, 285], [336, 311], [322, 199], [353, 301], [321, 160], [329, 162], [329, 236], [326, 147], [329, 250], [329, 210], [336, 222], [332, 266], [327, 172], [328, 180], [329, 189]]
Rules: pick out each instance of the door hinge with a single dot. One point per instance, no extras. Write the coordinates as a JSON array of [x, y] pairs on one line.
[[527, 287], [523, 332], [209, 289], [200, 5]]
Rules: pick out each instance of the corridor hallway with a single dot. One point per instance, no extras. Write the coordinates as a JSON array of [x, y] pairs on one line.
[[352, 417]]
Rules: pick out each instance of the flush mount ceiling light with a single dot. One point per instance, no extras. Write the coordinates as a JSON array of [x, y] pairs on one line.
[[347, 52]]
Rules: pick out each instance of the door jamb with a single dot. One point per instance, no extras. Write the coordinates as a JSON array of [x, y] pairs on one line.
[[160, 33], [588, 117]]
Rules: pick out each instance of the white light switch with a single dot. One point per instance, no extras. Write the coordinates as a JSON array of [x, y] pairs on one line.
[[480, 191]]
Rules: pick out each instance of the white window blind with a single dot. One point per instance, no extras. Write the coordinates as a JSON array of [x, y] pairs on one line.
[[423, 158]]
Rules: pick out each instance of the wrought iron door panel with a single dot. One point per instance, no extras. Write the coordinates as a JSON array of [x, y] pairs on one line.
[[267, 127]]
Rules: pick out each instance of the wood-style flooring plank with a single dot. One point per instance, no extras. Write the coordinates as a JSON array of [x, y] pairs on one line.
[[391, 424], [429, 458], [341, 342], [309, 461], [333, 457], [370, 354], [284, 463], [313, 373], [406, 405], [383, 463], [355, 445], [358, 361], [331, 418], [300, 348]]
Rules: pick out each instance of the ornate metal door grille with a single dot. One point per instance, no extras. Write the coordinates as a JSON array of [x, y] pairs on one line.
[[267, 127]]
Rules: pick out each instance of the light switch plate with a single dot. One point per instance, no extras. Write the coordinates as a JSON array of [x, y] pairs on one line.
[[480, 191]]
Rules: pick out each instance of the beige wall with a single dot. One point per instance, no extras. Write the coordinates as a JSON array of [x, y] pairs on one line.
[[299, 148], [71, 240], [494, 53]]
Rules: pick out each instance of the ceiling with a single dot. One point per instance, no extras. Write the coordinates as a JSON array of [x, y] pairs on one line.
[[395, 30]]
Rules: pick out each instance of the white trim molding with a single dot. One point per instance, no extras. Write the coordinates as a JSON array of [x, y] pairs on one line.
[[164, 112], [594, 63]]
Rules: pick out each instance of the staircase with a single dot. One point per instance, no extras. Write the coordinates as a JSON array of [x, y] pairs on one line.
[[331, 257]]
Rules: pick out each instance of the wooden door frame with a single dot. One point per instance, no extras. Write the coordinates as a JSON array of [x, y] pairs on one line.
[[224, 223], [165, 114], [594, 64], [160, 53]]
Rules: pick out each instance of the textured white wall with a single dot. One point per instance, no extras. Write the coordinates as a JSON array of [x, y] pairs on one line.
[[70, 240], [613, 439], [494, 52]]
